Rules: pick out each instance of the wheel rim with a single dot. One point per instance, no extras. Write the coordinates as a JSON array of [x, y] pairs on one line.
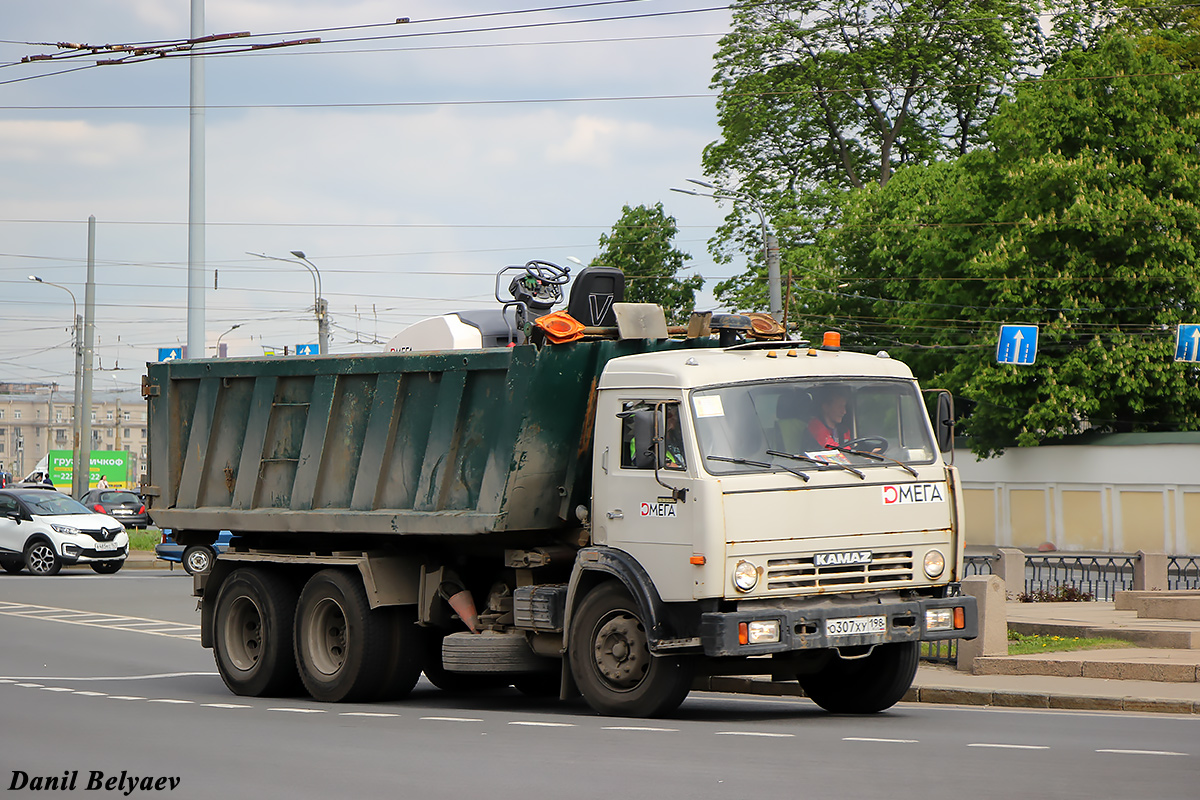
[[198, 561], [41, 559], [620, 651], [244, 634], [326, 637]]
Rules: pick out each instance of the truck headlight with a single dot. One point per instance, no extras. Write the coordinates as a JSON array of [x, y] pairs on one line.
[[762, 631], [935, 563], [939, 619], [745, 576]]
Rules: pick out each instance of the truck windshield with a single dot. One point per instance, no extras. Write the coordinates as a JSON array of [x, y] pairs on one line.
[[754, 427]]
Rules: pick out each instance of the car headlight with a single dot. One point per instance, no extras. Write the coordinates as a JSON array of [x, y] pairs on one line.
[[935, 563], [67, 529], [745, 576]]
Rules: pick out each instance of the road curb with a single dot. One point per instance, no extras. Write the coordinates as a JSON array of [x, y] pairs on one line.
[[969, 697]]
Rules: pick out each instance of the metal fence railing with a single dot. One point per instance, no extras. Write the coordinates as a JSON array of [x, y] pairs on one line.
[[1183, 572]]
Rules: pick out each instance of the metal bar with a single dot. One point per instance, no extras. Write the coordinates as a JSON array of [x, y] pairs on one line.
[[381, 430], [196, 454], [256, 436], [431, 488], [313, 447]]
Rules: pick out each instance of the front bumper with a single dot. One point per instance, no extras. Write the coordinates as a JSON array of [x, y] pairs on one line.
[[86, 555], [803, 624]]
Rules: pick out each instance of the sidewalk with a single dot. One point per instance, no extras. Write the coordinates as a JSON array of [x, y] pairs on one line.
[[1162, 676]]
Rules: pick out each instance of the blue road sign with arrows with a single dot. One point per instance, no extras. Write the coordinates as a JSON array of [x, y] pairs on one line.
[[308, 350], [1187, 343], [170, 353], [1018, 344]]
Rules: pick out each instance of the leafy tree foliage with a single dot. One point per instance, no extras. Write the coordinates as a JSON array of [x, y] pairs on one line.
[[1080, 217], [819, 98], [640, 246]]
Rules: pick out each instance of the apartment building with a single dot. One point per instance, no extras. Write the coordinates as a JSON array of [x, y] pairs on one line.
[[37, 418]]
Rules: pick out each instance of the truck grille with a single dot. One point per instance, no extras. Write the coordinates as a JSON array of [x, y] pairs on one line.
[[800, 572]]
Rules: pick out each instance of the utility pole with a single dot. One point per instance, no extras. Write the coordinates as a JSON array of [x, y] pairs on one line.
[[196, 215]]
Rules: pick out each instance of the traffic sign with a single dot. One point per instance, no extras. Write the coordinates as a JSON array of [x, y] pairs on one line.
[[1018, 344], [170, 353], [307, 350], [1187, 343]]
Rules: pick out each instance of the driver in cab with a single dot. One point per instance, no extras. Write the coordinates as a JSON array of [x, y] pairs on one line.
[[825, 430]]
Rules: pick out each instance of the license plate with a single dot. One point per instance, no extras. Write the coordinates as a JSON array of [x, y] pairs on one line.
[[851, 626], [103, 546]]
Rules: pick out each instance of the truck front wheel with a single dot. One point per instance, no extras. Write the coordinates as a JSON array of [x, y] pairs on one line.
[[252, 634], [343, 649], [611, 661], [865, 685]]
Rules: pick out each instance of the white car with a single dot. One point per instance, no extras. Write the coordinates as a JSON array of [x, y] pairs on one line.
[[43, 529]]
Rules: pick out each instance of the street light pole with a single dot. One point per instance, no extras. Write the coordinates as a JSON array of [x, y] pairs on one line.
[[770, 243], [231, 330], [318, 304], [320, 307], [78, 486]]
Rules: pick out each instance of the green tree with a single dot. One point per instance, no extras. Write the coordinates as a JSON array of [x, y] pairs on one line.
[[817, 99], [1080, 217], [640, 246]]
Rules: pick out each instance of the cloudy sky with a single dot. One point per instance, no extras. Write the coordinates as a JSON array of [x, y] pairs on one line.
[[409, 162]]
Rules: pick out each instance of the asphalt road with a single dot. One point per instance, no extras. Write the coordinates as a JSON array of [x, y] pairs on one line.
[[102, 679]]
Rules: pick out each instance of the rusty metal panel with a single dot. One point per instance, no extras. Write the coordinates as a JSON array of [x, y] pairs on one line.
[[317, 423], [196, 455], [255, 430], [377, 440]]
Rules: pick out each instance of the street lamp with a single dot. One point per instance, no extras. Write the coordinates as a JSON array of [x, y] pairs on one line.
[[231, 330], [320, 307], [770, 243], [79, 477]]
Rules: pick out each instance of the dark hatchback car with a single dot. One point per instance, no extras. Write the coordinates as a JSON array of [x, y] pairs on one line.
[[126, 507]]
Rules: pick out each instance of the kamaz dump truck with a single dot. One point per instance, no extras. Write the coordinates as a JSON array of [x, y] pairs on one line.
[[614, 516]]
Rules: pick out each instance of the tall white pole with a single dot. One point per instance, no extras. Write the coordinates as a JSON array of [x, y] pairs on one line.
[[195, 315], [84, 465]]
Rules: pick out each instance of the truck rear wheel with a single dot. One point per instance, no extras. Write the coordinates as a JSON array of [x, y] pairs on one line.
[[611, 661], [864, 685], [252, 634], [344, 650]]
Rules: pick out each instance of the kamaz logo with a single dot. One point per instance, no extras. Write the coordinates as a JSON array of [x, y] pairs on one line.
[[842, 559]]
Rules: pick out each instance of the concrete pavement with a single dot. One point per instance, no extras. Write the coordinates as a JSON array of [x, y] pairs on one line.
[[1160, 674]]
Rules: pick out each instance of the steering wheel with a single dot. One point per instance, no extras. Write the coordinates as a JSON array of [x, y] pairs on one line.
[[547, 272], [868, 444]]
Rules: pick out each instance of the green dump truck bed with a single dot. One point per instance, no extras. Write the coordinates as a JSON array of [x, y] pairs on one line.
[[444, 443]]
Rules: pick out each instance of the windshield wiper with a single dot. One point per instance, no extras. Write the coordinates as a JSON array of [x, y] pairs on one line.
[[819, 461], [762, 464], [878, 457]]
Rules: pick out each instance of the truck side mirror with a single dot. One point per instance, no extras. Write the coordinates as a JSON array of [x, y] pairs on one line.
[[943, 424]]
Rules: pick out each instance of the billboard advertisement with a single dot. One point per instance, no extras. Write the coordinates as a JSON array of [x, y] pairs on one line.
[[113, 465]]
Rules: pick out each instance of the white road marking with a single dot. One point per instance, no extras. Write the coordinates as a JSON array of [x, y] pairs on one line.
[[55, 689], [756, 733], [74, 616], [91, 694], [170, 700], [30, 685], [886, 741], [117, 677], [223, 705], [1010, 746], [1143, 752], [545, 724], [451, 719], [300, 710], [124, 697], [637, 728], [365, 714]]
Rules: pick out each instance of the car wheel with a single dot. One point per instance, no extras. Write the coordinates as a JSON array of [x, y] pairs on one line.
[[12, 567], [107, 567], [197, 560], [40, 559]]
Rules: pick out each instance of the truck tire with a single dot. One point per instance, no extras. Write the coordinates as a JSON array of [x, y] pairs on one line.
[[252, 634], [864, 685], [344, 649], [404, 657], [456, 682], [610, 659], [491, 653]]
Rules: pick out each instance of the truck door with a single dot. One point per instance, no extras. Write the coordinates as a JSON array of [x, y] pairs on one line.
[[643, 498]]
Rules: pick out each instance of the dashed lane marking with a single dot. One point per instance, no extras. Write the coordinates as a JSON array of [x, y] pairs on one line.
[[91, 619], [224, 705], [884, 741], [757, 733], [543, 724], [1143, 752], [451, 719], [640, 728], [365, 714], [999, 746]]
